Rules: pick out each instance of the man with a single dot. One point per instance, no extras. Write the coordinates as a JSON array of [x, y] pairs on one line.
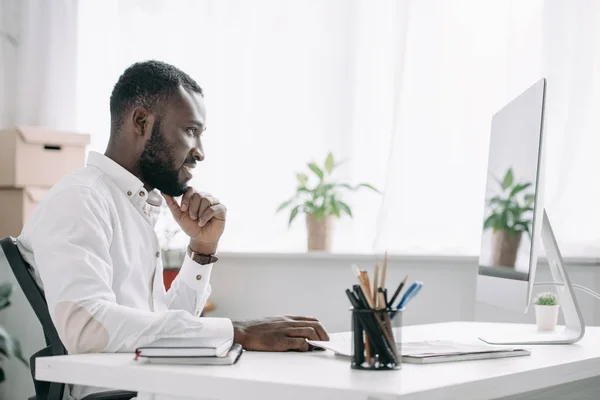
[[92, 242]]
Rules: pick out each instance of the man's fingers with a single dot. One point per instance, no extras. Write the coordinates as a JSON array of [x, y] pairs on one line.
[[217, 211], [195, 206], [297, 344], [301, 318], [173, 206], [304, 332], [205, 202], [185, 200], [318, 328]]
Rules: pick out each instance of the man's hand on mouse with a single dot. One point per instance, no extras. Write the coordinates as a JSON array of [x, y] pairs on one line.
[[278, 333], [202, 217]]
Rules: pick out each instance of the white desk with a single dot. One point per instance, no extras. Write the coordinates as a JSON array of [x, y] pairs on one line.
[[321, 375]]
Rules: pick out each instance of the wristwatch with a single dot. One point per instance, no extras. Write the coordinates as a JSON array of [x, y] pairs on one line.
[[201, 259]]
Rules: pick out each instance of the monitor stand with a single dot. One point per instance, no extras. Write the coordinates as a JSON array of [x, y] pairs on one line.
[[574, 327]]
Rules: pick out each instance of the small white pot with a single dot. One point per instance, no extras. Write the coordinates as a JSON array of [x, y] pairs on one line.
[[546, 317]]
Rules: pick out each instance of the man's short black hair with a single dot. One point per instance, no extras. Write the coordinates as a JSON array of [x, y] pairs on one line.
[[146, 84]]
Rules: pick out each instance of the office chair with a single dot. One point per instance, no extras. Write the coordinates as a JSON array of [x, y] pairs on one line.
[[54, 346]]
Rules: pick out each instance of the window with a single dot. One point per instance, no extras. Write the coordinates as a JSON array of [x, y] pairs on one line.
[[404, 91]]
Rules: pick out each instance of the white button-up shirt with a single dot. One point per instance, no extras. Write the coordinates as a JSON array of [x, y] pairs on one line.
[[92, 244]]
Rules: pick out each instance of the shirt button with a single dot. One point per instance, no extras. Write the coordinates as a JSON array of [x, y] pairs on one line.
[[129, 193], [157, 254], [142, 194], [198, 277]]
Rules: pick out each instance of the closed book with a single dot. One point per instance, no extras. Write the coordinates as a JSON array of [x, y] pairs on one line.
[[186, 347], [232, 356]]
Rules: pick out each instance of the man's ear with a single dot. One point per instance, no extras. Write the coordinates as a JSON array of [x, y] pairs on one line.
[[143, 121]]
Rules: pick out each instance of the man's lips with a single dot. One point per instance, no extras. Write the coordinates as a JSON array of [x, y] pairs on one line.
[[187, 169]]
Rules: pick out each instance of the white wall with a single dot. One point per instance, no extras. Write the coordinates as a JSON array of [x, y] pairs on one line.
[[246, 286], [251, 286]]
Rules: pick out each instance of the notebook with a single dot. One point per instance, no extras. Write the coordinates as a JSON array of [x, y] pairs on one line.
[[232, 357], [186, 347], [428, 352]]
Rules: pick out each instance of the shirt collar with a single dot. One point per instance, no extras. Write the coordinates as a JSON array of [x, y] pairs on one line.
[[130, 185]]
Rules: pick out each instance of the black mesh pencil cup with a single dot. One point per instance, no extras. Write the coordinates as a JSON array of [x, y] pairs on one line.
[[376, 338]]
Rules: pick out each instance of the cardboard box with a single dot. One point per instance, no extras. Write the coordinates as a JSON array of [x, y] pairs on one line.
[[36, 156], [16, 205]]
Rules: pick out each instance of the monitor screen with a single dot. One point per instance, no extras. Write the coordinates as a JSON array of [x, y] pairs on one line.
[[511, 187]]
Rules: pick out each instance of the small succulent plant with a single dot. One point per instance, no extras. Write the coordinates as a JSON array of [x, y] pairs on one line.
[[546, 299]]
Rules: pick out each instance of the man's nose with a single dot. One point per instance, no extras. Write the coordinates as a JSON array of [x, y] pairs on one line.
[[198, 154]]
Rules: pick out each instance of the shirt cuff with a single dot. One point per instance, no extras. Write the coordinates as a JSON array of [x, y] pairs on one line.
[[217, 327], [194, 275]]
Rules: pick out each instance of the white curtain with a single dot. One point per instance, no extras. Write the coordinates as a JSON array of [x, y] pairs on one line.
[[571, 62], [403, 90], [285, 82], [464, 60], [37, 50]]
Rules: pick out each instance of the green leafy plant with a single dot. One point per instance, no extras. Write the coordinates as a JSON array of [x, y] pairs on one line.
[[322, 198], [9, 346], [546, 299], [509, 211]]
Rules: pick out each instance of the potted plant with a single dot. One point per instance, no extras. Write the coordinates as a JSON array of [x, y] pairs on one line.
[[320, 199], [546, 311], [508, 217], [9, 346]]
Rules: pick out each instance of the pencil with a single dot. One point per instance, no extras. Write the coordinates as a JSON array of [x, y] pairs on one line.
[[363, 286], [397, 292], [383, 270], [376, 285]]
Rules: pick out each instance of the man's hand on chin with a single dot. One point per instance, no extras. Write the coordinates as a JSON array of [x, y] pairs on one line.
[[278, 333], [202, 217]]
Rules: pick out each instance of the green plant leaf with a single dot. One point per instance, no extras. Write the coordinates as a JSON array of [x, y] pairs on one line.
[[366, 185], [324, 189], [293, 215], [329, 164], [11, 347], [284, 205], [490, 222], [345, 208], [302, 178], [508, 179], [529, 198], [5, 293], [519, 188], [318, 171]]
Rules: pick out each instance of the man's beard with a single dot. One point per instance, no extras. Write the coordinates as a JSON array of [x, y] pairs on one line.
[[157, 165]]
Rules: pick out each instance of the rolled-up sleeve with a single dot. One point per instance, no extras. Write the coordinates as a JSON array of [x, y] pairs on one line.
[[71, 247]]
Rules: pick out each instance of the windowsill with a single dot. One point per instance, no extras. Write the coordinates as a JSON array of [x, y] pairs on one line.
[[360, 258]]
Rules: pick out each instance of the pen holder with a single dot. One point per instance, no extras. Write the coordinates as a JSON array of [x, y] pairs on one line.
[[376, 338]]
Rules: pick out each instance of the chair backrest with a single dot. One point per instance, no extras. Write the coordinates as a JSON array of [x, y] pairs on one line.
[[35, 295]]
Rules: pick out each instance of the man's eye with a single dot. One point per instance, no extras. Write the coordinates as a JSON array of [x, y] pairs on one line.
[[192, 131]]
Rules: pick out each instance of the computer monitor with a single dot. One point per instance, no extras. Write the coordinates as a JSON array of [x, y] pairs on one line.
[[515, 222]]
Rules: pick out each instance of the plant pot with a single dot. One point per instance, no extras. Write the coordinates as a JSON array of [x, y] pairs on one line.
[[505, 247], [546, 317], [319, 232]]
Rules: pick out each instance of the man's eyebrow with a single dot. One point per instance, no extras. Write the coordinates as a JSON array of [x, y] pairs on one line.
[[197, 123]]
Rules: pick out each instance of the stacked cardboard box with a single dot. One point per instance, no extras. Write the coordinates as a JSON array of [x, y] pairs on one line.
[[32, 160]]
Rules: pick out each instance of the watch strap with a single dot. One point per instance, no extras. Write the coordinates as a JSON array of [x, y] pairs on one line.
[[201, 259]]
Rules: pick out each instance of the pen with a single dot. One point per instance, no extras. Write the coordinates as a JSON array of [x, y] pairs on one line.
[[412, 291], [397, 292]]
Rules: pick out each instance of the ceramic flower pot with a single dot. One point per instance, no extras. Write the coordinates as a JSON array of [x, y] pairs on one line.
[[319, 232], [546, 317], [505, 247]]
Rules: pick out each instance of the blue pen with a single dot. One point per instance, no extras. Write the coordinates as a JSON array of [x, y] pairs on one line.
[[412, 291]]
